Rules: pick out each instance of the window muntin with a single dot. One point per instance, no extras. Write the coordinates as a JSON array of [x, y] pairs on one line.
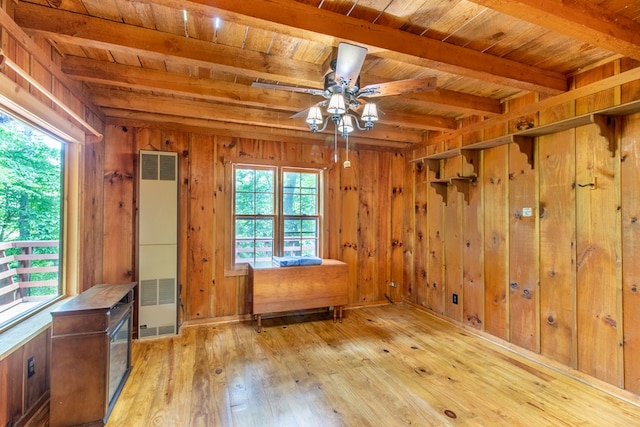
[[31, 187], [276, 211]]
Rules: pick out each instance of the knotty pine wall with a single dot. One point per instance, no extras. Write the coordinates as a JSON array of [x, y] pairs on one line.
[[364, 211], [562, 283]]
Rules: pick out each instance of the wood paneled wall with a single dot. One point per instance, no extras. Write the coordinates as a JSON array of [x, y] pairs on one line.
[[364, 213], [562, 282]]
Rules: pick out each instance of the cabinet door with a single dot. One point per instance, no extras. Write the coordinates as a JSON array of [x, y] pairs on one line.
[[79, 366]]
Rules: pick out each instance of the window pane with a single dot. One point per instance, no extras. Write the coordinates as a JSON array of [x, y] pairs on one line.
[[30, 217], [245, 179], [264, 204], [310, 226], [245, 204], [264, 228], [254, 192], [308, 205], [245, 228], [300, 237], [264, 181], [300, 193], [254, 239]]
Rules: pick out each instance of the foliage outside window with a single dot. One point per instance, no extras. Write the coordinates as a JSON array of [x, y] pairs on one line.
[[276, 212], [30, 218]]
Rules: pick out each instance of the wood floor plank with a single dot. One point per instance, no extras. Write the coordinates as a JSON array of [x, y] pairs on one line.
[[383, 366]]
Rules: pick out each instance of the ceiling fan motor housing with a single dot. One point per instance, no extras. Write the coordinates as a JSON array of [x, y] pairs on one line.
[[332, 86]]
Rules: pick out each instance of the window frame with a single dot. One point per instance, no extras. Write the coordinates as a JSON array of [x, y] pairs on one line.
[[231, 267]]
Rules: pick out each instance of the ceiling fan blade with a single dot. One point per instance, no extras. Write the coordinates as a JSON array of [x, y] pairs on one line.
[[398, 87], [304, 113], [309, 90], [349, 63]]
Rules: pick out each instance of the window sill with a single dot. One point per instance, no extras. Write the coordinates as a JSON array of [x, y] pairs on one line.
[[22, 332]]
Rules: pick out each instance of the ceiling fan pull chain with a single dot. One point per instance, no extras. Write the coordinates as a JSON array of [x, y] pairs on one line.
[[347, 163], [335, 144]]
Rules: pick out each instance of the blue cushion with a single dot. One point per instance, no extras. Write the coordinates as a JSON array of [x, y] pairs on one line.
[[288, 261]]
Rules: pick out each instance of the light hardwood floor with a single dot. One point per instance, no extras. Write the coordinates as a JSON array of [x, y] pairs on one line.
[[383, 366]]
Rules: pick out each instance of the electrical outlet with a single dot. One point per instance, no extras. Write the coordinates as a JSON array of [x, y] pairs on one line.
[[454, 298], [31, 367]]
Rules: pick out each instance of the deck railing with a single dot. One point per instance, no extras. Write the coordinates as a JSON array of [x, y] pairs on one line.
[[28, 271]]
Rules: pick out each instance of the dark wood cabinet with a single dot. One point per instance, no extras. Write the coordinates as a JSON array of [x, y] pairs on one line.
[[90, 354]]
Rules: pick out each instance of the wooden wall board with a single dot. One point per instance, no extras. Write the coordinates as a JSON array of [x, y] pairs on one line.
[[630, 211], [557, 246], [412, 186], [398, 166], [523, 248], [11, 373], [384, 197], [452, 250], [452, 238], [495, 181], [202, 293], [597, 242], [369, 207], [473, 254], [472, 230], [350, 189], [597, 230], [118, 228], [419, 274], [429, 244], [92, 213]]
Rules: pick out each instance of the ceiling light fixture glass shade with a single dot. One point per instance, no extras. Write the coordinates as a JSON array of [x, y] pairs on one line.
[[345, 126], [336, 104], [370, 112], [314, 117]]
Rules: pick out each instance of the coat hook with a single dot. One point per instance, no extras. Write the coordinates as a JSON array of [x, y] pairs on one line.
[[593, 185]]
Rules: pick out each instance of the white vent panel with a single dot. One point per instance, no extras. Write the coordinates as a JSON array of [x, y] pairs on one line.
[[148, 292], [157, 244]]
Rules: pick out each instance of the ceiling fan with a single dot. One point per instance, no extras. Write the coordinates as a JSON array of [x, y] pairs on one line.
[[342, 93]]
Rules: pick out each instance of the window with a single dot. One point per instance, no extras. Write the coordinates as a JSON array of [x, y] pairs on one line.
[[30, 218], [276, 212]]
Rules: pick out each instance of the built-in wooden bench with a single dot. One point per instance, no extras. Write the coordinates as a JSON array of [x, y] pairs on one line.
[[278, 289]]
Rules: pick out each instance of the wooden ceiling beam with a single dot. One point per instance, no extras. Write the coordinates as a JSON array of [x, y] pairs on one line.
[[394, 44], [579, 19], [119, 117], [171, 106], [99, 33], [124, 76]]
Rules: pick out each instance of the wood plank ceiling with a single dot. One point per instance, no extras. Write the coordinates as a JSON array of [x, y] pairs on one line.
[[192, 64]]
